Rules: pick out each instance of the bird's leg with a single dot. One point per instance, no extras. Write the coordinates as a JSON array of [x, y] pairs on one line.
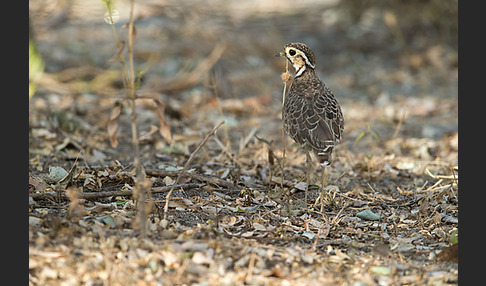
[[324, 179], [309, 169]]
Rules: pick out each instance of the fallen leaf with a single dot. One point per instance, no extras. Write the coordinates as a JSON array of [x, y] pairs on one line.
[[300, 186], [164, 129], [56, 174], [75, 206], [368, 215], [309, 235], [450, 219], [113, 124], [259, 226], [108, 220], [450, 253], [38, 184], [380, 270], [168, 181], [202, 258], [193, 246], [34, 221]]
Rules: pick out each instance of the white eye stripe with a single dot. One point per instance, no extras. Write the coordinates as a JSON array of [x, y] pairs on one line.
[[301, 54]]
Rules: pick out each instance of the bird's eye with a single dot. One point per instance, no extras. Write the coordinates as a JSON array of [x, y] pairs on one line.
[[292, 52]]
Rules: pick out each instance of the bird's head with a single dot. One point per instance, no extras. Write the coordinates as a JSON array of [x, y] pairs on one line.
[[300, 56]]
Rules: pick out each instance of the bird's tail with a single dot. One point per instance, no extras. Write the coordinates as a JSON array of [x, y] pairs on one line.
[[324, 156]]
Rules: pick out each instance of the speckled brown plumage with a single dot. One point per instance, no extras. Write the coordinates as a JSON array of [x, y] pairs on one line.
[[311, 115]]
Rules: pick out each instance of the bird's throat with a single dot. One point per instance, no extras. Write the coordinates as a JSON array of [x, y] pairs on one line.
[[299, 69]]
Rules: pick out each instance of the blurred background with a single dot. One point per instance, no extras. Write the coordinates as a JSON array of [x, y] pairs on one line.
[[393, 66]]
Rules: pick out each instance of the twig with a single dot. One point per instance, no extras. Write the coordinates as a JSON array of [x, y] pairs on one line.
[[202, 178], [336, 219], [314, 245], [251, 264], [182, 269], [284, 141], [226, 152], [434, 188], [166, 207], [399, 124], [285, 78], [105, 194], [453, 177]]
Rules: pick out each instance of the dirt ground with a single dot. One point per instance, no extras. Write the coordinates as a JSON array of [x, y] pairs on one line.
[[387, 216]]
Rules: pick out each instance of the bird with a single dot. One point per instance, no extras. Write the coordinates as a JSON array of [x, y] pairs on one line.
[[311, 115]]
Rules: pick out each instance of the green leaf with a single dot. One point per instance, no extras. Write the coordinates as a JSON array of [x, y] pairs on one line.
[[453, 237], [376, 135], [36, 67], [360, 136]]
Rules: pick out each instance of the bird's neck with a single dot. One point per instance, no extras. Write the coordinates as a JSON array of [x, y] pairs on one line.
[[304, 72]]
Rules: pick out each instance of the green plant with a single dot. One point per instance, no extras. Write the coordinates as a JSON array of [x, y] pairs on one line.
[[372, 135], [36, 65]]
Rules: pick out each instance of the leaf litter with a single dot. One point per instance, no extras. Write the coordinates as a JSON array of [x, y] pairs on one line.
[[236, 216]]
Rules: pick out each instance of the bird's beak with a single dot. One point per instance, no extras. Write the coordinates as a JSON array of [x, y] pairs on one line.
[[280, 54]]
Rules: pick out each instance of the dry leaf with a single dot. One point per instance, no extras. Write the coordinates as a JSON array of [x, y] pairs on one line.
[[38, 184], [164, 129], [450, 253], [168, 181], [259, 226], [202, 258], [75, 206], [119, 51], [146, 136], [113, 125]]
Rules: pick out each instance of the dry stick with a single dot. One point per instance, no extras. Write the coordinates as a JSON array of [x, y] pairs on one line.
[[202, 178], [151, 172], [455, 179], [324, 179], [140, 177], [336, 218], [307, 175], [182, 269], [105, 194], [129, 85], [314, 245], [166, 207], [251, 264], [284, 141], [285, 77], [399, 124]]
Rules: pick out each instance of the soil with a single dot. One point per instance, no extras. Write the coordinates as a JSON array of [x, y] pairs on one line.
[[388, 212]]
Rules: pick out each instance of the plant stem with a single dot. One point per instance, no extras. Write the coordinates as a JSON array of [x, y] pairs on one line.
[[139, 174]]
